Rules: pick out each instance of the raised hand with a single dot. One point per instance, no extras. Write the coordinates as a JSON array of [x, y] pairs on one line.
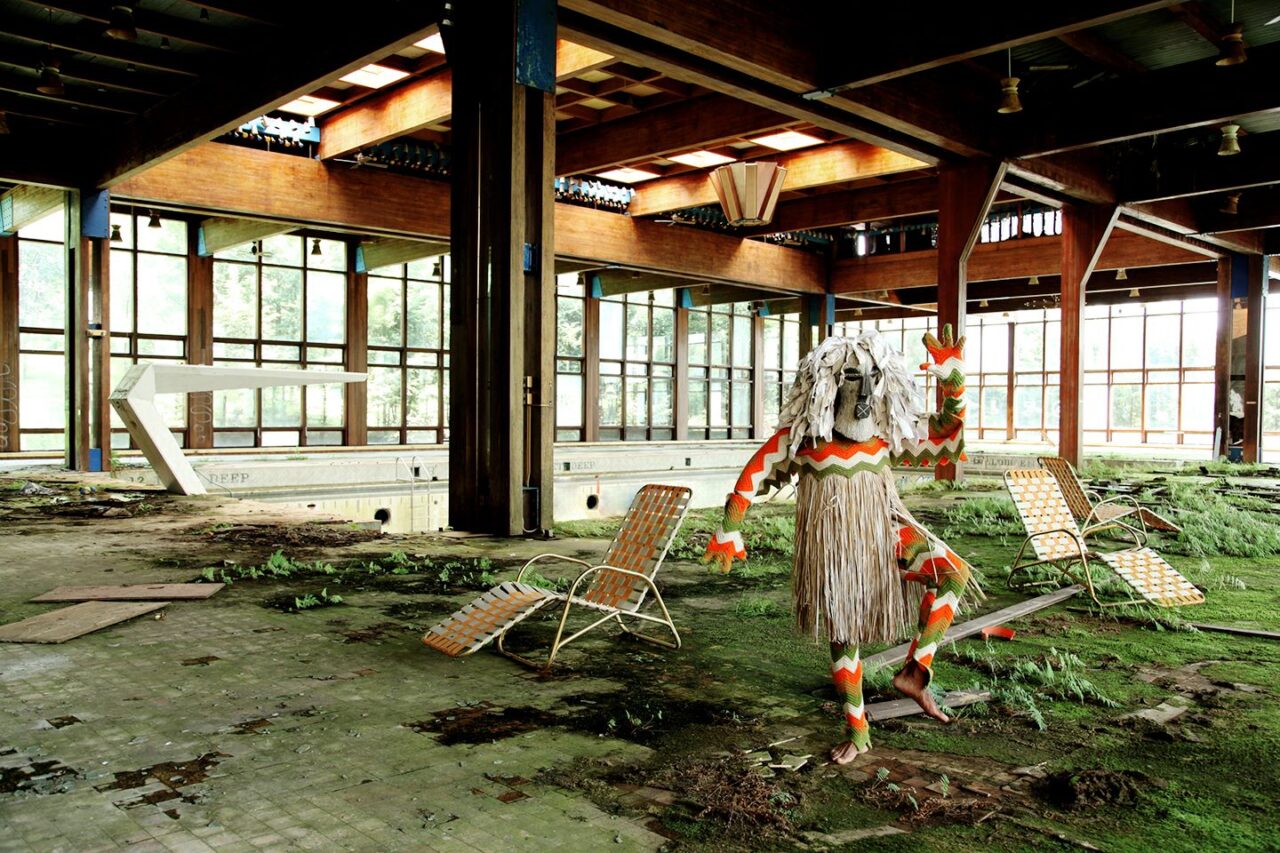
[[722, 560], [947, 355]]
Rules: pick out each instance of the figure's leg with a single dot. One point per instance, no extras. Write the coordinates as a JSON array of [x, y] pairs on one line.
[[925, 560], [846, 672]]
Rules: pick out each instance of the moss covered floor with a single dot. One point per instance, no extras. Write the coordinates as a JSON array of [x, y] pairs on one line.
[[263, 718]]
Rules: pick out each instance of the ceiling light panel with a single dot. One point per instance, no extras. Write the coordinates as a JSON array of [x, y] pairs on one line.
[[626, 176], [433, 43], [374, 76], [309, 105], [700, 159], [787, 140]]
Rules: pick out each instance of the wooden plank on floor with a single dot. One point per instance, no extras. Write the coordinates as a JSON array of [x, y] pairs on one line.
[[1231, 629], [131, 592], [67, 623], [907, 707], [897, 654]]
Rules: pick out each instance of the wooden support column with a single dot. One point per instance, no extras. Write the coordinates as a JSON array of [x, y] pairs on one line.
[[9, 438], [681, 387], [1253, 349], [817, 314], [759, 429], [965, 193], [199, 338], [1222, 362], [1085, 229], [502, 55], [356, 394], [88, 346], [591, 360]]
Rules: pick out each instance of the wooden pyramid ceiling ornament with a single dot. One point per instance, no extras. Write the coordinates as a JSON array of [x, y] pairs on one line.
[[748, 192]]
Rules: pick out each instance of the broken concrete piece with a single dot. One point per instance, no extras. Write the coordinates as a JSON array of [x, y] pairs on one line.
[[1160, 715]]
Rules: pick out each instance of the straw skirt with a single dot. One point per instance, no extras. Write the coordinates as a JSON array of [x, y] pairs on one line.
[[846, 574]]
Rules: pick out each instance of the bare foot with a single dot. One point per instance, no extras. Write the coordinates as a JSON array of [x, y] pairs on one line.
[[847, 751], [910, 682]]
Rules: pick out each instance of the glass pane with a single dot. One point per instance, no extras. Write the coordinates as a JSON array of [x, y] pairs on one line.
[[238, 408], [326, 307], [741, 404], [741, 341], [611, 320], [1028, 344], [698, 404], [637, 402], [790, 344], [772, 344], [282, 250], [125, 222], [995, 407], [41, 285], [664, 334], [1126, 343], [281, 304], [1162, 406], [235, 300], [170, 237], [1199, 339], [568, 401], [697, 337], [1162, 341], [332, 256], [568, 326], [386, 327], [1052, 345], [720, 326], [41, 392], [422, 397], [121, 291], [1026, 407], [51, 226], [325, 403], [384, 396], [995, 348], [162, 294], [610, 400], [663, 404], [718, 403], [1096, 344], [1094, 407], [1126, 406], [424, 315], [282, 406], [637, 332]]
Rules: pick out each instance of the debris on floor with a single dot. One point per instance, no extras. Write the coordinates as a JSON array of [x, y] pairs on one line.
[[67, 623]]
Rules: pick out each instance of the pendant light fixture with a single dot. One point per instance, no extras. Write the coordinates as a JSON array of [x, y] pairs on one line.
[[1133, 293], [1230, 141], [115, 234], [4, 124], [1122, 274], [748, 192], [120, 24], [1231, 46], [1230, 204], [1009, 100], [982, 303], [154, 221], [204, 15], [50, 70], [1034, 280], [165, 44], [315, 248]]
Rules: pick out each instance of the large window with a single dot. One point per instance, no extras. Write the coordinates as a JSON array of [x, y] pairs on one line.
[[1271, 380], [637, 366], [409, 352], [280, 303], [1149, 373], [570, 357], [720, 371], [42, 320], [148, 317]]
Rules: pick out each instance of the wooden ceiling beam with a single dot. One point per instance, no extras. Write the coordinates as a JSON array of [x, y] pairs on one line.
[[218, 233], [806, 169], [1254, 211], [696, 123], [617, 281], [94, 73], [421, 103], [75, 40], [251, 10], [231, 180], [846, 207], [21, 206], [221, 102], [899, 43], [1181, 97], [1180, 219], [1101, 52], [644, 32], [1203, 173], [1197, 17], [1019, 258], [381, 252], [725, 294]]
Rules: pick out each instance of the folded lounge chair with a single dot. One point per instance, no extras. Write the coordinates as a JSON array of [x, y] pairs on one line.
[[1096, 514], [1057, 541], [614, 589]]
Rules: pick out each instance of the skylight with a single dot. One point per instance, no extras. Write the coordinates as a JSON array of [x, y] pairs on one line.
[[627, 175], [374, 76], [787, 140], [700, 159], [309, 105]]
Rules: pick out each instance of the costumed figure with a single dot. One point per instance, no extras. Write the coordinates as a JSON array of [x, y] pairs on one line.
[[864, 568]]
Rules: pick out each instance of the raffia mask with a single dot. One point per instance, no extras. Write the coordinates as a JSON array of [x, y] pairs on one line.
[[866, 386]]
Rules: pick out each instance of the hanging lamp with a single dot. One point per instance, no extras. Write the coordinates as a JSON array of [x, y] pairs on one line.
[[1009, 100], [1230, 141], [748, 192]]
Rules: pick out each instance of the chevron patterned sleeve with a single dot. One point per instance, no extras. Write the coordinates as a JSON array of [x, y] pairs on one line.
[[766, 469], [945, 439]]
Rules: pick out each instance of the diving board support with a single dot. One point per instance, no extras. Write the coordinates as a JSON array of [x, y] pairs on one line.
[[134, 400]]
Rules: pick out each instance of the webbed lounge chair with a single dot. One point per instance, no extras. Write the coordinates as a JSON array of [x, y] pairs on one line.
[[614, 589], [1057, 541], [1094, 513]]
